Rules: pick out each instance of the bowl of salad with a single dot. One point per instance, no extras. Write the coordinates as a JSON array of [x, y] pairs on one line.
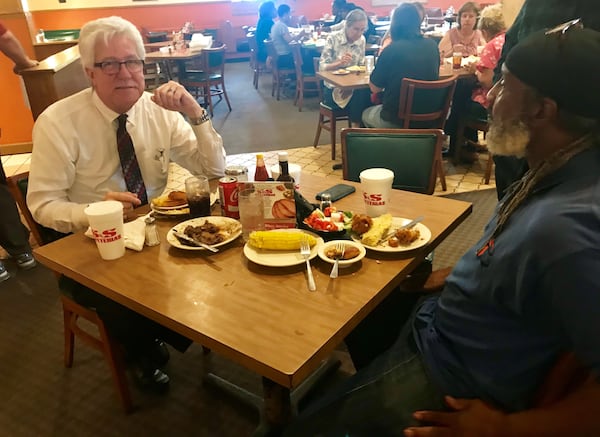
[[329, 224]]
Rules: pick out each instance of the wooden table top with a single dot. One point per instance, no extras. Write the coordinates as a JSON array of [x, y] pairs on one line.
[[183, 55], [261, 317], [355, 80]]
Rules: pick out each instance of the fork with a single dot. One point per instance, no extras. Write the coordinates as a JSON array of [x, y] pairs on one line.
[[305, 252], [340, 248]]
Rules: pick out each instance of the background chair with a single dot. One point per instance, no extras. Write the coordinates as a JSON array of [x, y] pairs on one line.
[[328, 117], [256, 66], [209, 78], [410, 153], [279, 74], [425, 104], [477, 124], [303, 78], [72, 311]]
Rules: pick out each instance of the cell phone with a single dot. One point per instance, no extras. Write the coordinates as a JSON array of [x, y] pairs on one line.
[[337, 191]]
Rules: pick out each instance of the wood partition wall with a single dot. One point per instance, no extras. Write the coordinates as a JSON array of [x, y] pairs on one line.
[[54, 78]]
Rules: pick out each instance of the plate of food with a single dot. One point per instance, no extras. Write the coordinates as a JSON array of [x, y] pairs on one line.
[[357, 68], [170, 201], [214, 231], [280, 247], [383, 233], [328, 224], [353, 252], [340, 72]]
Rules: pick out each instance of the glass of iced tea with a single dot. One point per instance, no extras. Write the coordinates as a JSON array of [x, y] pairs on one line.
[[198, 196]]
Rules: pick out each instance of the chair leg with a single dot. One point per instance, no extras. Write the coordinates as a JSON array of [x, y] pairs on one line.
[[208, 95], [226, 97], [440, 172], [278, 85], [332, 125], [274, 84], [488, 168], [460, 140], [114, 359], [69, 337], [301, 95], [318, 134]]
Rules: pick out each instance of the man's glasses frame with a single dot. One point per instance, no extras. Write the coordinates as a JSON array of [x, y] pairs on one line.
[[113, 67], [563, 28]]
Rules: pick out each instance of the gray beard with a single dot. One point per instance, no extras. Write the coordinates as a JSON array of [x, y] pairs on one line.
[[508, 138]]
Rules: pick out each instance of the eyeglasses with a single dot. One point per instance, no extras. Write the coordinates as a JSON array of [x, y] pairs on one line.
[[562, 29], [113, 67]]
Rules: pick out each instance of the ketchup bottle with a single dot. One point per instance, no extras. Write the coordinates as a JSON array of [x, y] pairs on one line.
[[261, 173]]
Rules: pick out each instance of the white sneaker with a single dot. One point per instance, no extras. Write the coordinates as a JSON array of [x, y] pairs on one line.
[[4, 275]]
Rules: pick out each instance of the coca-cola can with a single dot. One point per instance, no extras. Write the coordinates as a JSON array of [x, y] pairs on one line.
[[228, 197]]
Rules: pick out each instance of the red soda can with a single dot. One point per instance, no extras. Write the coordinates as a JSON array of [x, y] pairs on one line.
[[228, 197]]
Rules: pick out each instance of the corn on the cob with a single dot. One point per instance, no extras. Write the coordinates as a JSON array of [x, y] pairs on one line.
[[279, 240]]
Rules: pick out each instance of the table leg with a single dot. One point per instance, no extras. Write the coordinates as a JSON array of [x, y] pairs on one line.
[[277, 409]]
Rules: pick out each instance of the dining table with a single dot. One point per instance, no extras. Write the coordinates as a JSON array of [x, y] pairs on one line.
[[261, 316], [179, 57]]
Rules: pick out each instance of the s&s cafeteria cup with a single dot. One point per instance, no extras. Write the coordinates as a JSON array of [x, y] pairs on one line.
[[376, 185], [106, 223]]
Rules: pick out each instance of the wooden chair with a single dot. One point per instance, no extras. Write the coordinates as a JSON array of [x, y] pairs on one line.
[[72, 311], [303, 78], [279, 74], [478, 125], [328, 118], [425, 104], [256, 66], [210, 78], [410, 153]]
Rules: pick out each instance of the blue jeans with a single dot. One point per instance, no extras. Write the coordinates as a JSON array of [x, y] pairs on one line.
[[377, 401]]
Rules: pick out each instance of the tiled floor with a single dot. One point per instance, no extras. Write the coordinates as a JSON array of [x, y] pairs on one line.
[[459, 178]]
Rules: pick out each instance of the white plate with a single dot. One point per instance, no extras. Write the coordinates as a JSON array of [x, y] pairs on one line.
[[281, 258], [396, 223], [172, 212], [167, 208], [348, 243], [236, 230], [340, 72]]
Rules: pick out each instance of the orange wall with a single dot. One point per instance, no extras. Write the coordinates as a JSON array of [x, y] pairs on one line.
[[15, 117]]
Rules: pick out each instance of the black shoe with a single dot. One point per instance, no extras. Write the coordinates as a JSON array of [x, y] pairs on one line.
[[159, 354], [150, 378]]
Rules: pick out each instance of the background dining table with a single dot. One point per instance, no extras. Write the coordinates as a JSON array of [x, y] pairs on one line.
[[262, 317]]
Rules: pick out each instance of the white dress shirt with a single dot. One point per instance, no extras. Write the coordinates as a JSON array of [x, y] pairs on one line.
[[75, 160]]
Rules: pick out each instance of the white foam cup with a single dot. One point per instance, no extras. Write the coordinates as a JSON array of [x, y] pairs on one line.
[[376, 186], [106, 222]]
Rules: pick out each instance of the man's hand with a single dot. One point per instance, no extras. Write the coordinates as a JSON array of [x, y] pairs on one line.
[[346, 59], [174, 97], [27, 63], [129, 201], [471, 418]]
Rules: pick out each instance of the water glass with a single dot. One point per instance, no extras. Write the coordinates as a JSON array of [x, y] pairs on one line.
[[251, 206]]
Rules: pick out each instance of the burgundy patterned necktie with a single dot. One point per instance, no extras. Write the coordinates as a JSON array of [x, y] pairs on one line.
[[129, 162]]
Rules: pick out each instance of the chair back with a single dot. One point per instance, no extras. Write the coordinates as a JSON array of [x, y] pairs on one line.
[[425, 104], [297, 55], [17, 184], [410, 153]]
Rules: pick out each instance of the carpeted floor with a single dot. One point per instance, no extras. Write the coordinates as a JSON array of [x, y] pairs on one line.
[[42, 398]]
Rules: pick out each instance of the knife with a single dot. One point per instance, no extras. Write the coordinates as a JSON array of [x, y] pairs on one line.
[[409, 225], [184, 238]]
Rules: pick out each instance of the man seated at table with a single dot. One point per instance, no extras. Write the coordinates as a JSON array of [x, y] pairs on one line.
[[410, 55], [281, 36], [525, 295], [83, 143], [346, 48]]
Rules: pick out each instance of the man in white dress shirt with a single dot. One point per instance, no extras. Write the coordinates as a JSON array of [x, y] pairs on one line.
[[76, 161]]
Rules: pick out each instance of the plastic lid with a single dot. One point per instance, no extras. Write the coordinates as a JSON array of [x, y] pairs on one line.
[[283, 156]]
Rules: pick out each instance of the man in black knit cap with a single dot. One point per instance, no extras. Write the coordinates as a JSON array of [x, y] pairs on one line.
[[470, 361]]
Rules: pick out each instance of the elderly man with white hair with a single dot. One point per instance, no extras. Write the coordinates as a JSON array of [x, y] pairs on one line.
[[113, 141]]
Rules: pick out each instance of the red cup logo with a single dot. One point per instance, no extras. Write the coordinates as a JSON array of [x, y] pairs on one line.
[[374, 199], [107, 235]]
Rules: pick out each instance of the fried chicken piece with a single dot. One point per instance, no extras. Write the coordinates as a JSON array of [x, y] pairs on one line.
[[361, 223]]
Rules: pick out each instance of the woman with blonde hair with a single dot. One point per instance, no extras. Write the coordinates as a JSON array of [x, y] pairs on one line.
[[465, 38]]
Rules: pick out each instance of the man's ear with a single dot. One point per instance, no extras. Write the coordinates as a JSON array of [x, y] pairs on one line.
[[544, 112]]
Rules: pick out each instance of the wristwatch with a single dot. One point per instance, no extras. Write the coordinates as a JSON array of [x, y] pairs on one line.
[[200, 120]]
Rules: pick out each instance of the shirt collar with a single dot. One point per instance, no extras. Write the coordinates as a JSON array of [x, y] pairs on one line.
[[108, 114]]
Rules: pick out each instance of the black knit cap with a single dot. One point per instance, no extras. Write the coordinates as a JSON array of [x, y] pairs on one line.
[[564, 67]]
